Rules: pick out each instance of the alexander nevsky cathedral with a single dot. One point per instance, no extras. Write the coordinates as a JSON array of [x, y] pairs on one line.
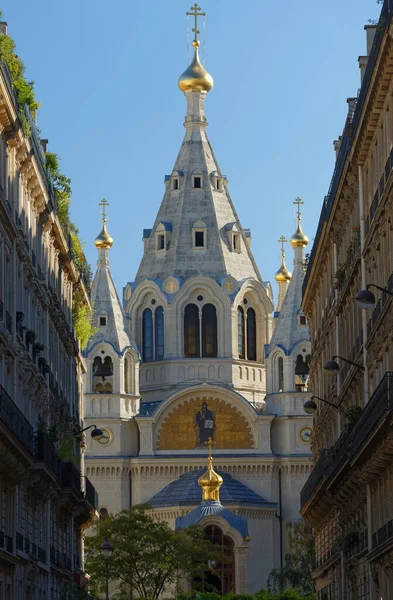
[[197, 361]]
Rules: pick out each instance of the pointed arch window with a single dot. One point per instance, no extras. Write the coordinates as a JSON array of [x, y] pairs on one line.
[[241, 341], [159, 333], [209, 331], [251, 335], [147, 335], [280, 367], [191, 332]]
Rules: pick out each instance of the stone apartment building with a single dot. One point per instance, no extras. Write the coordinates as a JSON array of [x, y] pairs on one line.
[[348, 498], [44, 502]]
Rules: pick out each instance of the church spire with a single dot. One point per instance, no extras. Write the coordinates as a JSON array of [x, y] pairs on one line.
[[195, 78], [103, 240], [283, 276], [210, 481]]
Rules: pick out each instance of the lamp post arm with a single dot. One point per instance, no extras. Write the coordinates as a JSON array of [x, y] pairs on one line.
[[325, 401], [350, 362], [85, 429], [378, 287]]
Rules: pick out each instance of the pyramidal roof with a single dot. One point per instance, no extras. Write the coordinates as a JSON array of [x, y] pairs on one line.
[[288, 331], [187, 207], [105, 302]]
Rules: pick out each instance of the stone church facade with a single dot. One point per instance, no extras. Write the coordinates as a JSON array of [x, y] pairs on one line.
[[196, 351]]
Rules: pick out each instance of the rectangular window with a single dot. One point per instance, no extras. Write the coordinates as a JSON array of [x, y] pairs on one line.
[[303, 320], [197, 182], [218, 184], [236, 244], [161, 242], [175, 185], [199, 239], [102, 321]]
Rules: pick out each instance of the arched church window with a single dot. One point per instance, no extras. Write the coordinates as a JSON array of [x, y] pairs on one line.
[[209, 331], [159, 333], [241, 342], [126, 376], [191, 332], [302, 371], [147, 335], [219, 576], [280, 367], [251, 335]]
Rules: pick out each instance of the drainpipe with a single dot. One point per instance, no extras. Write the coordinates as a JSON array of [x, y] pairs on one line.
[[280, 515], [363, 273]]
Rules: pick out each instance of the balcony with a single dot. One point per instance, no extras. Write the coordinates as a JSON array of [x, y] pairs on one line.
[[384, 534], [46, 452], [349, 443], [15, 420]]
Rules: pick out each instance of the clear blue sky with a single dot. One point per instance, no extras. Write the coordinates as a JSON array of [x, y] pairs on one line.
[[106, 76]]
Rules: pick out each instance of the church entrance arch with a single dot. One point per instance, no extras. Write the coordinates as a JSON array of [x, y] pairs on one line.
[[219, 577]]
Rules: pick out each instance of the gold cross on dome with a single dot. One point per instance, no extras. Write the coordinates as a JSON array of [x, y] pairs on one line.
[[282, 241], [171, 287], [298, 201], [209, 443], [194, 11], [228, 286], [104, 203]]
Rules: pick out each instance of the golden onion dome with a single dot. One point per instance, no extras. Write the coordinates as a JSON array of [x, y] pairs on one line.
[[103, 240], [299, 238], [210, 482], [283, 275], [195, 78]]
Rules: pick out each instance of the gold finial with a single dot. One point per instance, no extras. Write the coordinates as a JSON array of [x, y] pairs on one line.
[[195, 78], [282, 275], [210, 481], [103, 240], [299, 238], [194, 11]]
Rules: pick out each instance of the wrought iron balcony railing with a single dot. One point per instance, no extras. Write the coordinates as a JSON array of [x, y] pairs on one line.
[[15, 420], [351, 439], [90, 493]]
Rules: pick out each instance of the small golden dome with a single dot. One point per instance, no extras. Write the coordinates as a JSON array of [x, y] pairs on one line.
[[195, 78], [282, 274], [103, 240], [299, 238], [210, 483]]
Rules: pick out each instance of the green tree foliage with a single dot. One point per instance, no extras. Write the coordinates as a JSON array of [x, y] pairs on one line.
[[149, 556], [62, 187], [24, 89], [289, 594], [299, 562], [82, 319]]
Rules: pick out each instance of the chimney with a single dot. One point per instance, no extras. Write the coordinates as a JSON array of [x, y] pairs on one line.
[[44, 144], [337, 146], [370, 34], [3, 27]]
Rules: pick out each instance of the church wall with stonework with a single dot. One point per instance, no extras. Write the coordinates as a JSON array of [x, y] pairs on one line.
[[241, 382]]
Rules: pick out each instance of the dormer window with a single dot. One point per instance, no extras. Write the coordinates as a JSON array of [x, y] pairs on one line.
[[175, 180], [197, 179], [197, 182], [217, 180], [175, 183], [303, 320], [199, 239], [199, 235], [233, 236], [102, 321], [218, 184], [163, 234]]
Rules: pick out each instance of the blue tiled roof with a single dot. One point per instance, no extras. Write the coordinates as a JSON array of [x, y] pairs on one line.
[[213, 507], [185, 491], [146, 409]]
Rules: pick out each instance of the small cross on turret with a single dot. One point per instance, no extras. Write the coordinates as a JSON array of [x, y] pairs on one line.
[[104, 203], [195, 12], [282, 241], [298, 201], [209, 443]]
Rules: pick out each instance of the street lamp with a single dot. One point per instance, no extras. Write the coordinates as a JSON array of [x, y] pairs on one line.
[[96, 434], [332, 367], [310, 406], [106, 552], [366, 299]]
